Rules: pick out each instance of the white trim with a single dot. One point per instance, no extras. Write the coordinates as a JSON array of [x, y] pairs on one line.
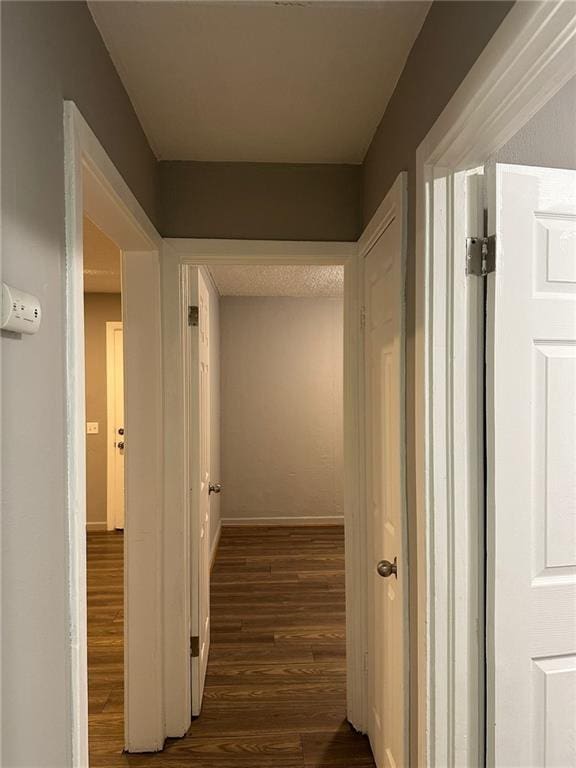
[[260, 251], [99, 525], [228, 522], [381, 218], [111, 327], [145, 609], [527, 61], [75, 418], [94, 186], [355, 514], [215, 543], [176, 254]]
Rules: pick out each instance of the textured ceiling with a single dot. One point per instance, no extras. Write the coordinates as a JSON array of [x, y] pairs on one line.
[[298, 281], [285, 82], [101, 261]]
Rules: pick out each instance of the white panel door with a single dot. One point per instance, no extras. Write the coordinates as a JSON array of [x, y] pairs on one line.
[[385, 406], [199, 474], [116, 437], [531, 410]]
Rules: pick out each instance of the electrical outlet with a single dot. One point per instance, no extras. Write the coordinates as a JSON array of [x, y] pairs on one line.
[[92, 428]]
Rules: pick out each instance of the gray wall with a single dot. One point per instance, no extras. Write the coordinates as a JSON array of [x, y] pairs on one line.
[[549, 138], [50, 51], [281, 407], [261, 201]]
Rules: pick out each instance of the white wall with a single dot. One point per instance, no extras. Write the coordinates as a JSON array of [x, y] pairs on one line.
[[281, 407]]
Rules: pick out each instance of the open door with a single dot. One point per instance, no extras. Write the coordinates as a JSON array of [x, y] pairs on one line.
[[116, 436], [531, 435], [198, 386], [386, 495]]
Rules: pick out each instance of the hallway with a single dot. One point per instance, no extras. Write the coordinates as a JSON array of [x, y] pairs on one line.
[[275, 690]]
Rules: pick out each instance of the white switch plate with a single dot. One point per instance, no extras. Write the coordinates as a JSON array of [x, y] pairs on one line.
[[92, 428]]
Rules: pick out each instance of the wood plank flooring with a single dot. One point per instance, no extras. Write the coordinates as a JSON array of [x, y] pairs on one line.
[[275, 692]]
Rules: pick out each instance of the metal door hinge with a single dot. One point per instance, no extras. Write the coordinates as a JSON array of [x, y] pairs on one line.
[[192, 315], [363, 317], [480, 255], [194, 647]]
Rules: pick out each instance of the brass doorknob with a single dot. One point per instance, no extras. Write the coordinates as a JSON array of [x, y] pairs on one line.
[[385, 568], [214, 488]]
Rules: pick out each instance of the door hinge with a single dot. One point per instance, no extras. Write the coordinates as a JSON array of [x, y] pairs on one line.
[[362, 317], [192, 315], [194, 647], [480, 255]]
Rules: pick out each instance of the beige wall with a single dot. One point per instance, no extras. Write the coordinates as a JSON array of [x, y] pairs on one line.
[[99, 308], [281, 407], [50, 52]]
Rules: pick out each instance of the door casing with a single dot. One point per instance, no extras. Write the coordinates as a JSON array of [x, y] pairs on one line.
[[530, 57], [94, 186], [176, 255]]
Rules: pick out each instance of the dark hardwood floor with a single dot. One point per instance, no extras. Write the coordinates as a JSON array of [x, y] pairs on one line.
[[275, 692]]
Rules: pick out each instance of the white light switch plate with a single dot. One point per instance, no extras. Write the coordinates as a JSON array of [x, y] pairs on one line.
[[92, 428]]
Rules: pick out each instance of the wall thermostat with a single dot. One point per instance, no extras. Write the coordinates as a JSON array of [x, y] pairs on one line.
[[21, 312]]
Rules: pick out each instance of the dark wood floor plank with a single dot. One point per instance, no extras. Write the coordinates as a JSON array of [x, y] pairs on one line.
[[275, 692]]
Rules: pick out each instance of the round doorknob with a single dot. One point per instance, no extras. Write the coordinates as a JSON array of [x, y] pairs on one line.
[[121, 431], [120, 445], [214, 488], [385, 568]]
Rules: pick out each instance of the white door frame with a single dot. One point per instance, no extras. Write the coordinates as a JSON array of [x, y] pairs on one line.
[[111, 437], [530, 57], [93, 185], [176, 254]]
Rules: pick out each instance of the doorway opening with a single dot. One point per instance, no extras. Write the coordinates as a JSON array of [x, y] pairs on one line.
[[104, 382], [264, 355]]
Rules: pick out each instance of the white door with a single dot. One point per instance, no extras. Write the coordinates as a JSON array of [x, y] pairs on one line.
[[115, 408], [199, 475], [385, 406], [531, 410]]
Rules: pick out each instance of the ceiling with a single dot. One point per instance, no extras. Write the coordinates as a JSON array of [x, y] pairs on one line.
[[287, 82], [101, 261], [297, 281]]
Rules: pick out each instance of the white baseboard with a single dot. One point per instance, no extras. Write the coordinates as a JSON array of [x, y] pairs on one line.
[[214, 547], [99, 526], [308, 520]]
